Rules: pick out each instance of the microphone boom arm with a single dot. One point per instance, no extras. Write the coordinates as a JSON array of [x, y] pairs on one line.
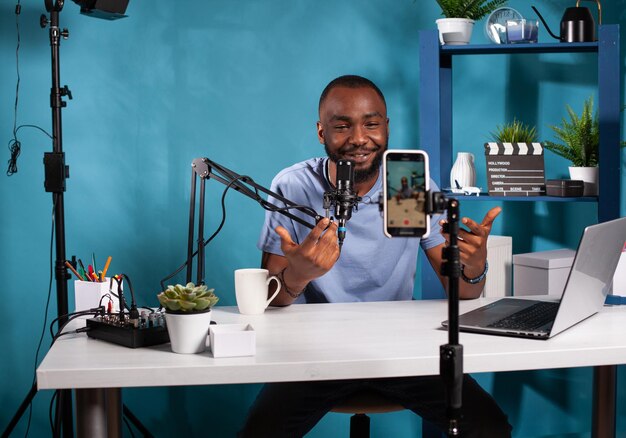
[[204, 169]]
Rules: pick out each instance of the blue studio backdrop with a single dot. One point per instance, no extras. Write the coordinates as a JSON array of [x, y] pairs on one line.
[[239, 82]]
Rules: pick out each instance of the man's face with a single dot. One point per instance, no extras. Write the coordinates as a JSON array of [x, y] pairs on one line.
[[353, 125], [404, 182]]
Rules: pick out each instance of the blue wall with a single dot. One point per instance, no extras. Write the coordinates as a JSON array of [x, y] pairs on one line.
[[239, 82]]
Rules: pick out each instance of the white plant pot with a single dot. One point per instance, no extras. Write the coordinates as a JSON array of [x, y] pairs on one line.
[[455, 31], [590, 177], [188, 332]]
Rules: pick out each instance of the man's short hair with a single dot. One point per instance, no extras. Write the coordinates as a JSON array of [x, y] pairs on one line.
[[350, 81]]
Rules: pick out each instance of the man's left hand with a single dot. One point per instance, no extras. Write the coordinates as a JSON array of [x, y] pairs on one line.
[[473, 243]]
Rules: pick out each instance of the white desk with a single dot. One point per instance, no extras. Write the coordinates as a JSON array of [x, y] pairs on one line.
[[332, 341]]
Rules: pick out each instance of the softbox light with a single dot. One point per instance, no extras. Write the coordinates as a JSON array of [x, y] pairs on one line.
[[105, 9]]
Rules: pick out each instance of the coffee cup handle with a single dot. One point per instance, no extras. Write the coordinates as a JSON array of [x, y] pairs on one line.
[[273, 277]]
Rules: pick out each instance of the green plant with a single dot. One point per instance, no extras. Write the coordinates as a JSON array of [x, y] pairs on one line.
[[188, 298], [472, 9], [515, 132], [580, 137]]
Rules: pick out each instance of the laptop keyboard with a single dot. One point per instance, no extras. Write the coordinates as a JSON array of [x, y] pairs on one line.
[[530, 318]]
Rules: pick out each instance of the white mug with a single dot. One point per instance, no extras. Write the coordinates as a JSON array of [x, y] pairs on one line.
[[251, 289]]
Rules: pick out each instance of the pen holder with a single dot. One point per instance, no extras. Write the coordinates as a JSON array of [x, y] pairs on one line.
[[90, 294]]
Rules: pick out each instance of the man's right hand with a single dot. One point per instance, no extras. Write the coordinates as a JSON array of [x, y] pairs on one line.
[[314, 257]]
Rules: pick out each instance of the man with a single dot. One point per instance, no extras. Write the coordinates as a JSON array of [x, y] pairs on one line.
[[404, 192], [353, 125]]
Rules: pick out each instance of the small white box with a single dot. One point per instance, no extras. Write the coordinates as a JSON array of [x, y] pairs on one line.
[[90, 294], [228, 340], [544, 272]]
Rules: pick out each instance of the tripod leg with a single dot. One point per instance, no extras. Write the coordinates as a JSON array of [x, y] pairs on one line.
[[20, 411], [133, 419]]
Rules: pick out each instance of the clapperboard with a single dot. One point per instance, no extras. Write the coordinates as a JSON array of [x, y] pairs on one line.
[[515, 169]]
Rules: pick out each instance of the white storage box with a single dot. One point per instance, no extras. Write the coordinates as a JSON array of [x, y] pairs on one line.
[[228, 340], [499, 256], [619, 279], [545, 272]]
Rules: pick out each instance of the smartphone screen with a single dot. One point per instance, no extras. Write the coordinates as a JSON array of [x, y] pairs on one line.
[[406, 181]]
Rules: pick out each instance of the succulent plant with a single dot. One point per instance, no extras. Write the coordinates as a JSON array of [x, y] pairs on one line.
[[189, 298]]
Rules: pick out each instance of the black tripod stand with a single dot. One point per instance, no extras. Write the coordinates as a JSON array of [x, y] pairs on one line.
[[451, 354], [56, 172]]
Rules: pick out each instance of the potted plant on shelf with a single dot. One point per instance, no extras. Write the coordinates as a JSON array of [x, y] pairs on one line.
[[581, 141], [188, 316], [456, 28], [515, 132]]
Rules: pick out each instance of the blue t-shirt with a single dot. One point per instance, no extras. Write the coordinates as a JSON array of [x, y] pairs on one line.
[[371, 267]]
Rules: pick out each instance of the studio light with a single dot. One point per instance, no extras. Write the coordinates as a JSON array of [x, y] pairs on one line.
[[105, 9]]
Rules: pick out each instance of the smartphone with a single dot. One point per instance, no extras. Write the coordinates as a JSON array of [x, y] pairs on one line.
[[405, 183]]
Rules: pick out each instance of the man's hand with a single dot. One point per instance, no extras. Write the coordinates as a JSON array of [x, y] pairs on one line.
[[314, 257], [473, 243]]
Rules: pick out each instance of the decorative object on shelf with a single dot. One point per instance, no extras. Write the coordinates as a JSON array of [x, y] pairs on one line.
[[456, 28], [188, 316], [463, 172], [495, 26], [522, 31], [515, 169], [581, 141], [577, 24], [515, 165], [565, 188]]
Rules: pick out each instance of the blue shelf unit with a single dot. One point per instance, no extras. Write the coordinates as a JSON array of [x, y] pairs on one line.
[[435, 116], [485, 197]]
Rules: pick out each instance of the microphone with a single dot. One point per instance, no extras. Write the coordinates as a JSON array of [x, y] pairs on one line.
[[345, 198]]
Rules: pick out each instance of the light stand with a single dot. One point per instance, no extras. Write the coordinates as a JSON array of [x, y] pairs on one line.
[[451, 354], [56, 173]]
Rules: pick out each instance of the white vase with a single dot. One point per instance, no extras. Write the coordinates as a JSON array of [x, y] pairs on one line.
[[463, 171], [188, 331], [455, 31], [589, 175]]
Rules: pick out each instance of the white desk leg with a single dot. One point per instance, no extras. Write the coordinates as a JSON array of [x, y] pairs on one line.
[[99, 413], [604, 401]]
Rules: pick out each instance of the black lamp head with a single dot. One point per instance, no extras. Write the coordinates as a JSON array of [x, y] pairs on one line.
[[105, 9]]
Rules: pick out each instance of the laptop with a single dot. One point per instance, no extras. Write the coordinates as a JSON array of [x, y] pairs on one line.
[[587, 286]]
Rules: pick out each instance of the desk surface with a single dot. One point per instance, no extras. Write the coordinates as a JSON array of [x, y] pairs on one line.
[[332, 341]]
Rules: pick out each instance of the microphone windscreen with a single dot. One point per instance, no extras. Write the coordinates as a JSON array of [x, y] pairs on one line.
[[345, 174]]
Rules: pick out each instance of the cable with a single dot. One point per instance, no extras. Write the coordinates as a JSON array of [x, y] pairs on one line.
[[72, 332], [264, 204], [50, 410], [72, 316], [14, 144], [219, 228], [128, 426], [45, 319]]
